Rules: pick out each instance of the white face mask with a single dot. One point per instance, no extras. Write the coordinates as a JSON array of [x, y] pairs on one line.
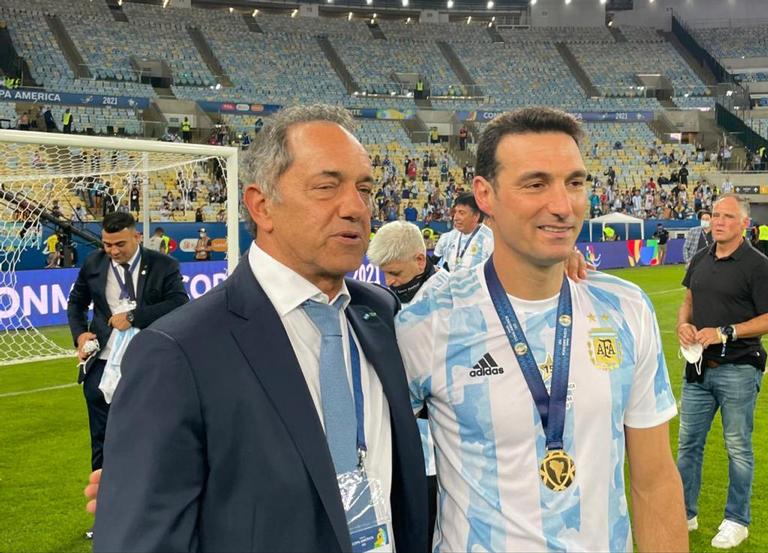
[[705, 224]]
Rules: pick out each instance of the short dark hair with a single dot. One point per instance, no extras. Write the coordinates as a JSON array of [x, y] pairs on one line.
[[467, 199], [117, 221], [525, 120]]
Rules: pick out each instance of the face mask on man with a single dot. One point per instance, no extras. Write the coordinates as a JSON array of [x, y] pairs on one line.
[[705, 224]]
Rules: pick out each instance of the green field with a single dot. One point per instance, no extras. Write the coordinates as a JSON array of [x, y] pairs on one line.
[[45, 450]]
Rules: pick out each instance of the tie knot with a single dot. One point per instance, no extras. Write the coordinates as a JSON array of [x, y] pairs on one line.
[[325, 316], [125, 266]]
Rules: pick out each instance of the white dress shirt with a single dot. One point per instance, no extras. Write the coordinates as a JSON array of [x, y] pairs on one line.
[[287, 290], [112, 294]]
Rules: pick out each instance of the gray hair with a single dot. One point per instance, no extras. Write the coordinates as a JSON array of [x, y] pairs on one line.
[[269, 156], [741, 200], [396, 241]]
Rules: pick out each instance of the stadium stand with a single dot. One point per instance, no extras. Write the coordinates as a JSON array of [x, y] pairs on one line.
[[736, 42]]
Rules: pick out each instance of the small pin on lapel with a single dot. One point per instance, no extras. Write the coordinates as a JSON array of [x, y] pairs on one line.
[[370, 315]]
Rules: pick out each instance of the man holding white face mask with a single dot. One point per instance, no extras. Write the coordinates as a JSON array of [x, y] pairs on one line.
[[723, 316]]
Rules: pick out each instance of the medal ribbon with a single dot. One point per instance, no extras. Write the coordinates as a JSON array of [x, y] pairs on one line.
[[459, 251], [124, 294], [551, 406]]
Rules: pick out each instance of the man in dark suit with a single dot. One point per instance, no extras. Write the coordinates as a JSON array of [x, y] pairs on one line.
[[119, 303], [249, 439]]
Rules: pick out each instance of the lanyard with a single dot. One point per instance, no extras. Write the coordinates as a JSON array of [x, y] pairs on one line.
[[459, 251], [551, 406], [357, 390], [124, 284]]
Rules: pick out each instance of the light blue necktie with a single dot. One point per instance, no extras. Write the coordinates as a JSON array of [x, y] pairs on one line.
[[339, 408], [336, 398]]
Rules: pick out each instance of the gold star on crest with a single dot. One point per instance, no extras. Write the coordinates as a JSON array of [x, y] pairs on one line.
[[545, 368], [604, 317], [592, 318]]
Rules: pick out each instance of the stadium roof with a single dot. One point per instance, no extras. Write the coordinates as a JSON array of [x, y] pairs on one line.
[[459, 6]]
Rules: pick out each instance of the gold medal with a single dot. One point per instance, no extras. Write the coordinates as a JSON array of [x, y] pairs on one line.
[[557, 470]]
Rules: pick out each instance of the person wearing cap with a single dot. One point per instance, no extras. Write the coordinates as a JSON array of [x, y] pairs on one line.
[[203, 246], [662, 235], [698, 237]]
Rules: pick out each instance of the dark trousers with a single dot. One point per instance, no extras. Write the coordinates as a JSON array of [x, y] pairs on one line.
[[98, 409], [432, 502]]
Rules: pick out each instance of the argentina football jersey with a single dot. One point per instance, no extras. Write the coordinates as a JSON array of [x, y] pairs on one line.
[[457, 250], [494, 494]]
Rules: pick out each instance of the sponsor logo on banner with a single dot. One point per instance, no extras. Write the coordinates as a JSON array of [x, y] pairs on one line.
[[188, 244], [242, 107], [257, 107], [219, 244]]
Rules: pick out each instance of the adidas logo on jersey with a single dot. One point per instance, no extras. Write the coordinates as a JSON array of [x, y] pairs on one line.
[[486, 367]]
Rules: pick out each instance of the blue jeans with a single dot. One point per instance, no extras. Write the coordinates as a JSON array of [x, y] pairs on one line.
[[733, 389]]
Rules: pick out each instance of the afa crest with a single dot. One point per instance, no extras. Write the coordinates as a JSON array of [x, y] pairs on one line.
[[605, 349]]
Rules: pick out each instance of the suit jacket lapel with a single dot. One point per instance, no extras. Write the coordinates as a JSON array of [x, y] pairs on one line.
[[143, 268], [381, 354], [100, 292], [266, 347]]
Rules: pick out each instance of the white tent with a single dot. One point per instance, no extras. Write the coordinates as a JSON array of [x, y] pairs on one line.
[[617, 219]]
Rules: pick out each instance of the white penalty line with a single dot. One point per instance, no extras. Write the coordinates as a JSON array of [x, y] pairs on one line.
[[661, 292], [48, 389]]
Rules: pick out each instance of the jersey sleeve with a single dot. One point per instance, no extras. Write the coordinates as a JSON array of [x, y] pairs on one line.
[[442, 243], [651, 401], [415, 336]]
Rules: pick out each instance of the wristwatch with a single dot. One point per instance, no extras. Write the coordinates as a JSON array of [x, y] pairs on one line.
[[729, 332], [129, 317]]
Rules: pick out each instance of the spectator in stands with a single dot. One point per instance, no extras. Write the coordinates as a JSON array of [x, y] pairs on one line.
[[66, 121], [698, 237], [683, 174], [109, 201], [611, 174], [463, 140], [23, 124], [727, 185], [123, 207], [594, 204], [662, 235], [199, 215], [186, 130], [178, 204], [410, 212], [56, 210], [221, 216], [50, 124], [434, 136], [258, 125], [79, 213], [135, 195]]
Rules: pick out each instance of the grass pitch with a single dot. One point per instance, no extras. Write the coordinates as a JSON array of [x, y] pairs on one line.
[[45, 446]]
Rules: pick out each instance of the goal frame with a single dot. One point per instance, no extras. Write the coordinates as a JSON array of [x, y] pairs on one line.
[[228, 153]]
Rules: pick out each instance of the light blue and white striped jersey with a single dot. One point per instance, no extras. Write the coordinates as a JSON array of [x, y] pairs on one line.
[[488, 436], [452, 243]]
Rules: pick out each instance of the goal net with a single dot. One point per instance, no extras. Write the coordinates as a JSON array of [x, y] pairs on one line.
[[54, 187]]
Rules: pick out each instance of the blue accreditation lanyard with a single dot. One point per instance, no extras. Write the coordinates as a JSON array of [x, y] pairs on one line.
[[461, 251], [357, 391], [123, 284], [557, 469]]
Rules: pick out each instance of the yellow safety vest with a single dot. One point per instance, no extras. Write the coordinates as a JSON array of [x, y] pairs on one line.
[[419, 86], [608, 232], [434, 134], [185, 126], [762, 232], [67, 118]]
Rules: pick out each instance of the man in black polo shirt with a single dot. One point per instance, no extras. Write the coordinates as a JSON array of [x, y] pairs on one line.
[[662, 235], [725, 311]]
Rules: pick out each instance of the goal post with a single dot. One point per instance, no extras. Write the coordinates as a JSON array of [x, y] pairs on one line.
[[62, 181]]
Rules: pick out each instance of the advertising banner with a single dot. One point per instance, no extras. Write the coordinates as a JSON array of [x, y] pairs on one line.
[[72, 99], [630, 253]]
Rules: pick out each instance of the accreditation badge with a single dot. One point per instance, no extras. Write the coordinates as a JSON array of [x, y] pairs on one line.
[[605, 349], [124, 306], [366, 507]]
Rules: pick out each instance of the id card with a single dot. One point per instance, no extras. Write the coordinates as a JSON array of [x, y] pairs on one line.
[[124, 306], [376, 538], [367, 510]]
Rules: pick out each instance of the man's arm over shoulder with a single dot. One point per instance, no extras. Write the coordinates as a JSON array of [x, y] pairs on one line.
[[154, 456], [171, 293]]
